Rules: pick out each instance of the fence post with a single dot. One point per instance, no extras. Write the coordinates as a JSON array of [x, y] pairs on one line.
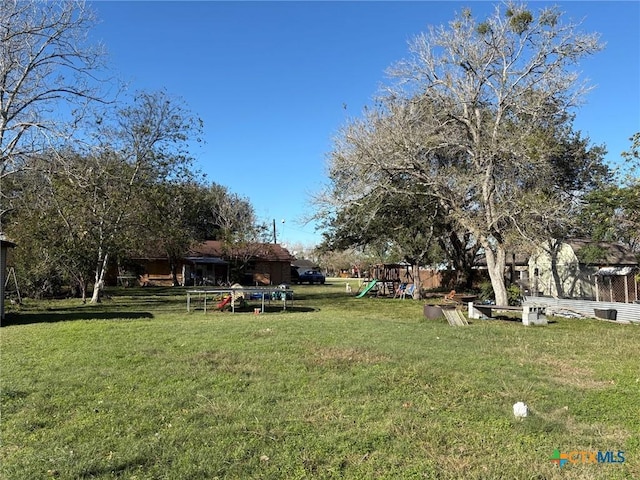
[[626, 289]]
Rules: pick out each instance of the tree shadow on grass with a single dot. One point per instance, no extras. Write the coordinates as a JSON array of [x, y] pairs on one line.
[[327, 295], [145, 291], [135, 464], [513, 318], [27, 318], [267, 309], [290, 309]]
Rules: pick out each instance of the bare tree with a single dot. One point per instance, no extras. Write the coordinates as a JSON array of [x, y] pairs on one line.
[[230, 217], [46, 66], [469, 120]]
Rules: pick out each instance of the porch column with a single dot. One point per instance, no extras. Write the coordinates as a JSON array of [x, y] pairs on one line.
[[626, 289], [610, 289]]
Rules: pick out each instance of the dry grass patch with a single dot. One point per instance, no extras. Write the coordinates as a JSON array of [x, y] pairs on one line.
[[566, 372], [343, 356], [561, 370], [596, 432], [223, 362]]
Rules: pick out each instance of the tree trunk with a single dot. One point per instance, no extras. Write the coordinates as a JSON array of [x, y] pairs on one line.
[[462, 259], [554, 249], [496, 261], [174, 272], [101, 269], [417, 284]]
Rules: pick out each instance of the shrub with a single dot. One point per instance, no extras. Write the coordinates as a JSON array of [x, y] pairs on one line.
[[514, 294], [486, 291]]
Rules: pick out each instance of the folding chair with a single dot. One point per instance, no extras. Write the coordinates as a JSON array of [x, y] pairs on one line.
[[400, 290], [408, 290]]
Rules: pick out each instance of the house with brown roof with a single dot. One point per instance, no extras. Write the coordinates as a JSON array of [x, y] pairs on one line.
[[585, 269], [214, 263]]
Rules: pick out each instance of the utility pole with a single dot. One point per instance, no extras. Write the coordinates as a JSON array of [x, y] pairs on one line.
[[275, 240]]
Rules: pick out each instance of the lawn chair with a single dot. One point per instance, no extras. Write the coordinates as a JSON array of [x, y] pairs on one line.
[[400, 290], [408, 291]]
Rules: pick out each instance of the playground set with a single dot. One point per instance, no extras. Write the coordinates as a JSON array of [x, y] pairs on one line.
[[389, 279]]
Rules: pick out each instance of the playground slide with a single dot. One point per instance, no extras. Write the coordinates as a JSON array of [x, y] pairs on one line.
[[225, 301], [369, 286]]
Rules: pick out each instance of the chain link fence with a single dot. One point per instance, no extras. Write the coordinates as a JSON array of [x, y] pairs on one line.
[[618, 288]]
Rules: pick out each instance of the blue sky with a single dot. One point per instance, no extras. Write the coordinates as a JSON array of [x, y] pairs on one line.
[[274, 81]]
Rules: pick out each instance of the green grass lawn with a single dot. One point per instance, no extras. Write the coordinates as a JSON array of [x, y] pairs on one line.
[[335, 387]]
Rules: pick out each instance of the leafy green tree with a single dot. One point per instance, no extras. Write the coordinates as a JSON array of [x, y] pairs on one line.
[[149, 138], [169, 220], [406, 226], [612, 215], [177, 214], [612, 212], [99, 198], [579, 171], [61, 201], [460, 251]]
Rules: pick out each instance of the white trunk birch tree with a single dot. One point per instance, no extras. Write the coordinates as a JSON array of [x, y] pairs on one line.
[[151, 138]]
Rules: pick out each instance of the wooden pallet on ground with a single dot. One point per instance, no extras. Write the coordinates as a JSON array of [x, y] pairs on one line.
[[455, 318]]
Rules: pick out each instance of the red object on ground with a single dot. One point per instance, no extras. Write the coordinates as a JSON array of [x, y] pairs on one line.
[[225, 301]]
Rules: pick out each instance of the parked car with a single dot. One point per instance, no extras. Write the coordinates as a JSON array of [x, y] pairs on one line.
[[311, 276]]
